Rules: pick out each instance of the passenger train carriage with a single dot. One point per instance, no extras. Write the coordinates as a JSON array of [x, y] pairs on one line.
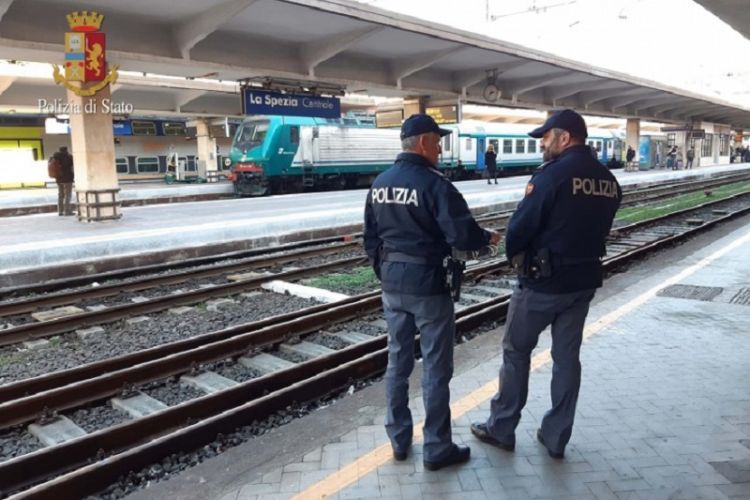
[[274, 154]]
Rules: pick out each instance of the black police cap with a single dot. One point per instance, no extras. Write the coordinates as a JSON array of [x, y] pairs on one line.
[[566, 119], [421, 124]]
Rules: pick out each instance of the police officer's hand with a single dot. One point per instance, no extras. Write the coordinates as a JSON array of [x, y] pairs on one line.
[[494, 237]]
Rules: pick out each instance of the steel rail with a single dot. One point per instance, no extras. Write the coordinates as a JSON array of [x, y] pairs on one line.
[[76, 296], [54, 285], [24, 393], [68, 323], [139, 442]]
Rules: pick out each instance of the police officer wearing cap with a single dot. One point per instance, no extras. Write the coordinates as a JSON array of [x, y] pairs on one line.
[[413, 216], [555, 240]]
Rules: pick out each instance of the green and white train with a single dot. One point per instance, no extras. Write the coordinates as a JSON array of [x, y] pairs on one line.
[[275, 154]]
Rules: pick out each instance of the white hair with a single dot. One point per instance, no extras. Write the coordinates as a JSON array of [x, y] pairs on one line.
[[410, 143]]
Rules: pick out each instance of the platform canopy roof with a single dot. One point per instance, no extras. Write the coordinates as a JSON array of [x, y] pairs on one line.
[[357, 46], [736, 13]]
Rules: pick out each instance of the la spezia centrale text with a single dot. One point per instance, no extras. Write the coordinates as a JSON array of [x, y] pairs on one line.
[[288, 101], [91, 106]]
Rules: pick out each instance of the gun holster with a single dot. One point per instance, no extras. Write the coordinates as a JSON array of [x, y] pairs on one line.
[[454, 273], [534, 265]]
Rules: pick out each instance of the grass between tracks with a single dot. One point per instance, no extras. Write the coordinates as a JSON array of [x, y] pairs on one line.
[[689, 200], [360, 277]]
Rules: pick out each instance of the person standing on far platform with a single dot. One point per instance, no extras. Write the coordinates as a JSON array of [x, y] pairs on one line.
[[672, 158], [64, 181], [555, 240], [690, 157], [413, 216], [490, 162], [629, 157]]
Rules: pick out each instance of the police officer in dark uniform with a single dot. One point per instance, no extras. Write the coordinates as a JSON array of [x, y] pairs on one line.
[[555, 240], [413, 216]]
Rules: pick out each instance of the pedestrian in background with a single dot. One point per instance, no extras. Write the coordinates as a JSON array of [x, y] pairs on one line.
[[555, 240], [413, 216], [690, 157], [64, 180], [490, 163], [672, 158], [629, 157]]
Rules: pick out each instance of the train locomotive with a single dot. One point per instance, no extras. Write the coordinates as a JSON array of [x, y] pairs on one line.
[[275, 154]]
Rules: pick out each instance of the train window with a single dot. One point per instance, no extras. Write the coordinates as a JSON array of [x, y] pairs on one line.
[[251, 134], [507, 146], [670, 140], [468, 144], [174, 128], [143, 128], [147, 164], [598, 145], [532, 146], [122, 165], [520, 146], [294, 135], [446, 143]]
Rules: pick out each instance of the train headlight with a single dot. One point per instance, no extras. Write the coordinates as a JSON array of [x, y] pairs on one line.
[[227, 162]]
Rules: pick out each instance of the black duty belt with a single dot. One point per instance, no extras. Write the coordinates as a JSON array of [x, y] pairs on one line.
[[572, 261], [412, 259]]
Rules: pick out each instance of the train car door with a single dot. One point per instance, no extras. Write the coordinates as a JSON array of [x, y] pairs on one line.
[[480, 153]]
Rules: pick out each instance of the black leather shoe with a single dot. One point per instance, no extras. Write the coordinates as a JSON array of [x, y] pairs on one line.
[[458, 455], [400, 455], [553, 454], [483, 434]]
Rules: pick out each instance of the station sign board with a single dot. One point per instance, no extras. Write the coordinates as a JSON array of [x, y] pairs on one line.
[[264, 102], [389, 119], [696, 134], [443, 114]]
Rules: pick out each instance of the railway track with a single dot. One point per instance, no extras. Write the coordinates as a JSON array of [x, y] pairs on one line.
[[204, 266], [137, 443], [19, 329]]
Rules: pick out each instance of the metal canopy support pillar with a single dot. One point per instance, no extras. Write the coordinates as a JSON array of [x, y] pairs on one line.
[[93, 148], [206, 150], [632, 135]]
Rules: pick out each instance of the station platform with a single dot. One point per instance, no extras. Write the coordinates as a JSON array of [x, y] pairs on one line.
[[33, 247], [41, 200], [663, 413]]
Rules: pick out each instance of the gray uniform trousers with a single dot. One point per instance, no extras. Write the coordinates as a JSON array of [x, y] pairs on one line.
[[432, 316], [529, 314]]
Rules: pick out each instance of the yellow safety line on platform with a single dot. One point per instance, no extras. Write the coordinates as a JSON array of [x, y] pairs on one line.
[[364, 465]]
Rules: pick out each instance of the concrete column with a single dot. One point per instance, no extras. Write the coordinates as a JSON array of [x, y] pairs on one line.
[[632, 136], [93, 148], [206, 149]]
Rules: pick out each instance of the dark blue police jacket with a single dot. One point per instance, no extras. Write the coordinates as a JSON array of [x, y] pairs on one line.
[[412, 209], [568, 208]]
